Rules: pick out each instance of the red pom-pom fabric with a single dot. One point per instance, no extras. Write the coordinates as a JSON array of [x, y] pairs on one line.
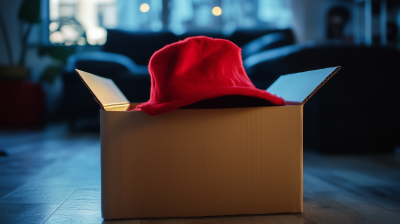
[[196, 69]]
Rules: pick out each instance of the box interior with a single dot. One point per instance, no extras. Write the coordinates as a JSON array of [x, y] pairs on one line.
[[295, 89]]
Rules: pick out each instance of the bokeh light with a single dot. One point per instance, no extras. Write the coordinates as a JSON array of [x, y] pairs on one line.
[[216, 11], [81, 41], [96, 35], [69, 33], [57, 38], [144, 7], [53, 26]]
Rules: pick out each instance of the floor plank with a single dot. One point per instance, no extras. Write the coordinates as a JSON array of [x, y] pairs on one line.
[[340, 201], [38, 195], [313, 215], [256, 219], [26, 214], [52, 176], [312, 184], [377, 217], [387, 196]]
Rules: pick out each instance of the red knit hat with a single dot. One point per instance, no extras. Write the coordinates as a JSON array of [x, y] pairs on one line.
[[195, 69]]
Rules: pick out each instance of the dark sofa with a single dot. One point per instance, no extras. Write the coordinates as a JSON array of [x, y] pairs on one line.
[[124, 58], [140, 46], [357, 110]]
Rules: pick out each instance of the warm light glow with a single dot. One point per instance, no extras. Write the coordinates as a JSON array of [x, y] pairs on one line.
[[144, 7], [53, 26], [56, 38], [96, 35], [217, 11], [81, 41], [69, 32]]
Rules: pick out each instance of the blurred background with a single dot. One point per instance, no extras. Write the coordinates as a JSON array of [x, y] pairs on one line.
[[49, 128], [357, 111]]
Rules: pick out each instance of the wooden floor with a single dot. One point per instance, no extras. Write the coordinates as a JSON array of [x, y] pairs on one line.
[[52, 176]]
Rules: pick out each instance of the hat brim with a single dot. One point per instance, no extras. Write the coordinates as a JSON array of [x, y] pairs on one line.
[[154, 108]]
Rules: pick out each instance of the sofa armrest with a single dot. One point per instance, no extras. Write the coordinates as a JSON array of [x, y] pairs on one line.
[[99, 57], [267, 42]]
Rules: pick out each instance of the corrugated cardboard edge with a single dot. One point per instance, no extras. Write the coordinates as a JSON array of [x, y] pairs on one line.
[[321, 84], [111, 107], [302, 160], [87, 86]]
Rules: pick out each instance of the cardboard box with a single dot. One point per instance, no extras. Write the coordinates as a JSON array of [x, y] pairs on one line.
[[203, 162]]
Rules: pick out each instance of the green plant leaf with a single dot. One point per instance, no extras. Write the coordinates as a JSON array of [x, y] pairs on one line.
[[60, 53], [50, 74]]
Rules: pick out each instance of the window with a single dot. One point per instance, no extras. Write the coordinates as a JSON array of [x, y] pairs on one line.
[[139, 15], [85, 21]]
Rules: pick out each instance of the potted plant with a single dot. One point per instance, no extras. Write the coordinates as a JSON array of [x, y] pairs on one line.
[[28, 13], [24, 100]]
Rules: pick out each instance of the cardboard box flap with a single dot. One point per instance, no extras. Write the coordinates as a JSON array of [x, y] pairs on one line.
[[297, 88], [106, 93]]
